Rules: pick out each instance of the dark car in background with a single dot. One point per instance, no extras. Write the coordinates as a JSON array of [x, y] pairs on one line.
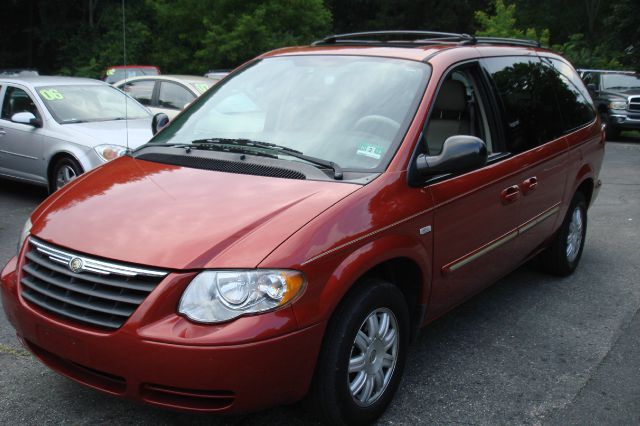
[[616, 95]]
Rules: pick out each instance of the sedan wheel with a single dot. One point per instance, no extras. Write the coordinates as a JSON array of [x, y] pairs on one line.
[[65, 170]]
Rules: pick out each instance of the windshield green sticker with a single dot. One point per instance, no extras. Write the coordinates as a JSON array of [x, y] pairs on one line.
[[51, 94], [110, 72], [370, 150], [202, 87]]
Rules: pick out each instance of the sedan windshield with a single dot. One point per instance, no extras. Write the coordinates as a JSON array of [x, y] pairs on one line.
[[86, 103], [620, 81], [349, 110]]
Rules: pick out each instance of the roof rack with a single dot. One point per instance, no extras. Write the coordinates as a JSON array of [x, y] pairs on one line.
[[418, 38]]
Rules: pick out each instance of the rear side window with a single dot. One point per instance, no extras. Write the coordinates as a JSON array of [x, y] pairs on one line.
[[573, 98], [527, 92], [173, 96], [141, 90]]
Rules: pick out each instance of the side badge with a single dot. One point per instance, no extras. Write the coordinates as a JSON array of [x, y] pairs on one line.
[[425, 230]]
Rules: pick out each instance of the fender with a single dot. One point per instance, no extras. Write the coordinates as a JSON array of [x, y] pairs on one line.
[[322, 298]]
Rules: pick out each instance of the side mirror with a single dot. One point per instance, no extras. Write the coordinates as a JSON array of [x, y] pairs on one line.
[[158, 122], [459, 153], [26, 118], [591, 87]]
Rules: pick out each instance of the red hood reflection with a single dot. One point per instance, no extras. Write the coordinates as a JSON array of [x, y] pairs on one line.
[[180, 218]]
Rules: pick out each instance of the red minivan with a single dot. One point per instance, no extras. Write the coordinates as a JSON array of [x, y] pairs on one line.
[[289, 233]]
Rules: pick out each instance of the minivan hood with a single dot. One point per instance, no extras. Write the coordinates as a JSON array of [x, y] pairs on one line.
[[131, 133], [180, 218]]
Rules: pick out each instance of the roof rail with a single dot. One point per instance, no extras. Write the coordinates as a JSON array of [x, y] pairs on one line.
[[509, 41], [408, 37], [417, 38]]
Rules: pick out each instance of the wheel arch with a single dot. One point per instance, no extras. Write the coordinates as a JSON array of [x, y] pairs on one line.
[[401, 261], [57, 156]]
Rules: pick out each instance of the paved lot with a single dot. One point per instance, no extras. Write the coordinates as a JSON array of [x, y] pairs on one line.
[[532, 349]]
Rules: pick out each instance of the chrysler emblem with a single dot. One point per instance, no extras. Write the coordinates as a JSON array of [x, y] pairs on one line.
[[75, 265]]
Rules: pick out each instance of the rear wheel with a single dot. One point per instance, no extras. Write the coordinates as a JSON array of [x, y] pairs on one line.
[[64, 170], [562, 257], [363, 355]]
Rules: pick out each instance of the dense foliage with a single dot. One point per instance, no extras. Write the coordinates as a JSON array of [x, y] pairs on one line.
[[82, 37]]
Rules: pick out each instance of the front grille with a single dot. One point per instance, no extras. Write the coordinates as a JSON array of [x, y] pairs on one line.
[[634, 103], [84, 289]]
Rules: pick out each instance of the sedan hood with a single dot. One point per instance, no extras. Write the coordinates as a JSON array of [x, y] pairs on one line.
[[131, 133], [180, 218]]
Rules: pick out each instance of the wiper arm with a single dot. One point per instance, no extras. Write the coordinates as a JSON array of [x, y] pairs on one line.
[[199, 145], [337, 170]]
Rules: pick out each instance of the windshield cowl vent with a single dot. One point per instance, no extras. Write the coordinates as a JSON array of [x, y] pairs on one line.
[[227, 166]]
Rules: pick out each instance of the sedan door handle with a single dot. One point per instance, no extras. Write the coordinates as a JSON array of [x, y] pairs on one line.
[[510, 195], [2, 132], [529, 185]]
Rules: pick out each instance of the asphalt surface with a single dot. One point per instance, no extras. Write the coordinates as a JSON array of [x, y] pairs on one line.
[[532, 349]]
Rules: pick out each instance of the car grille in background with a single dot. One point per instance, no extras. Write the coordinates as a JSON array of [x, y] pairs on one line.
[[634, 103], [100, 293], [223, 165]]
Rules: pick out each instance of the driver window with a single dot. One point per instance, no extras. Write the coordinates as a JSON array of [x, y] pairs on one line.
[[457, 111], [17, 100]]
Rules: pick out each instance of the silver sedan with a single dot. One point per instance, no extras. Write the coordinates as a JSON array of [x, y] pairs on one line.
[[54, 128]]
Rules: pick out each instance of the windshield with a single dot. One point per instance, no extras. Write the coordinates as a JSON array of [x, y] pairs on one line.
[[84, 103], [350, 110], [620, 81], [116, 74]]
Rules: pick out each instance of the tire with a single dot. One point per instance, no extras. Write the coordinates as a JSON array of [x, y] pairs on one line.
[[64, 170], [369, 306], [564, 254], [611, 131]]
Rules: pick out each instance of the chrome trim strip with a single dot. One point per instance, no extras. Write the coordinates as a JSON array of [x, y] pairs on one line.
[[384, 228], [486, 249], [535, 221], [93, 265], [18, 155], [457, 264]]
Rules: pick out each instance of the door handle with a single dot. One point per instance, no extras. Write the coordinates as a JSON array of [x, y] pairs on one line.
[[510, 195], [2, 132], [529, 185]]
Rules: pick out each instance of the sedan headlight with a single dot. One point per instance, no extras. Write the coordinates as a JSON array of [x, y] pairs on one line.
[[218, 296], [618, 105], [25, 233], [110, 152]]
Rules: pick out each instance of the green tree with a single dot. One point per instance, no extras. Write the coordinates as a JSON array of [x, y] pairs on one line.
[[197, 35], [503, 24]]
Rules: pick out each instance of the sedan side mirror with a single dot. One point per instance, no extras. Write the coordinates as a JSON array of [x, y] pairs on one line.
[[26, 118], [158, 122], [459, 153]]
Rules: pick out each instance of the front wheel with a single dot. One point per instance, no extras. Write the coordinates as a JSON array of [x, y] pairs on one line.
[[363, 354], [64, 171], [562, 257]]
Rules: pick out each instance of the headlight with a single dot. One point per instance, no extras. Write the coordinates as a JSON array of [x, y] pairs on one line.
[[25, 233], [218, 296], [110, 152], [618, 105]]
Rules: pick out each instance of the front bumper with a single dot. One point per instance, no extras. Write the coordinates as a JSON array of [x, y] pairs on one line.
[[630, 121], [167, 361]]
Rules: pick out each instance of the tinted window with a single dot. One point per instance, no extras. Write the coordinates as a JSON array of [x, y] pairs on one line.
[[526, 90], [173, 96], [15, 101], [141, 90], [574, 100]]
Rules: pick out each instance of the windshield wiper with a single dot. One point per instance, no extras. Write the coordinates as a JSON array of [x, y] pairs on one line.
[[337, 170], [189, 146]]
